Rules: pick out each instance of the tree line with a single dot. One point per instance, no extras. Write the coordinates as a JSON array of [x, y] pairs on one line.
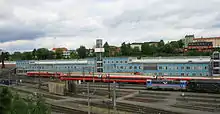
[[12, 103], [173, 48]]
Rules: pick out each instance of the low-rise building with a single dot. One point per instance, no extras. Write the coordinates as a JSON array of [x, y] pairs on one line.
[[136, 45]]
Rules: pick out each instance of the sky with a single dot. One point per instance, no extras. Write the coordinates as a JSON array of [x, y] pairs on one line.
[[29, 24]]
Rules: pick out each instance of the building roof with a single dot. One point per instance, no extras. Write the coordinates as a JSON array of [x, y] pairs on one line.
[[60, 62], [136, 43], [63, 48], [172, 60]]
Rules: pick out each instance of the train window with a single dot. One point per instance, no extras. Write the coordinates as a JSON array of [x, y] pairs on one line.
[[130, 67], [135, 67]]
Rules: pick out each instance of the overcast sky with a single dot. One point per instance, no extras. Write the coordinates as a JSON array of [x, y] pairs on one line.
[[28, 24]]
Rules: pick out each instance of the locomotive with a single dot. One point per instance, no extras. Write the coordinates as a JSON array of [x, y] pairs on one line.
[[210, 86]]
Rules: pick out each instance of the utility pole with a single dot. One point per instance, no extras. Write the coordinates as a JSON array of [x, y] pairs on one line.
[[114, 98], [109, 95], [93, 73], [83, 75], [39, 81], [88, 89]]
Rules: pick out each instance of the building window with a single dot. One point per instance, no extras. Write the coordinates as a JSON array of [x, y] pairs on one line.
[[160, 67], [155, 73], [108, 61], [205, 67], [130, 67], [177, 67], [182, 74], [165, 67], [116, 61], [194, 74], [121, 61], [126, 62], [160, 73], [103, 61], [182, 67], [187, 67], [200, 74], [112, 61], [139, 67], [121, 67], [135, 67]]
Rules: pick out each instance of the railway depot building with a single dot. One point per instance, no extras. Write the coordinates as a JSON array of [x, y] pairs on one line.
[[159, 66]]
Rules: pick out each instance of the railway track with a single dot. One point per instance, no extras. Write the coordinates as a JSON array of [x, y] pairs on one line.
[[65, 110], [131, 108]]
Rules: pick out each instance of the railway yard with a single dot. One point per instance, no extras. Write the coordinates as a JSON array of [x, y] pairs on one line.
[[130, 99]]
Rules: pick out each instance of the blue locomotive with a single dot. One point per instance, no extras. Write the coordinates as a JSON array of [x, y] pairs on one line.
[[166, 84]]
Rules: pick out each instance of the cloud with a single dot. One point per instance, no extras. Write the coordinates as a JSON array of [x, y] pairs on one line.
[[26, 24]]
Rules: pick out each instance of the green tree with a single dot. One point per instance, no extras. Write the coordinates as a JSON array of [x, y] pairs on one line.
[[26, 56], [34, 54], [125, 49], [42, 53], [14, 104], [2, 59], [136, 51], [74, 55], [147, 49], [59, 53], [107, 49], [5, 100], [19, 106], [181, 43], [51, 55], [16, 56], [81, 52]]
